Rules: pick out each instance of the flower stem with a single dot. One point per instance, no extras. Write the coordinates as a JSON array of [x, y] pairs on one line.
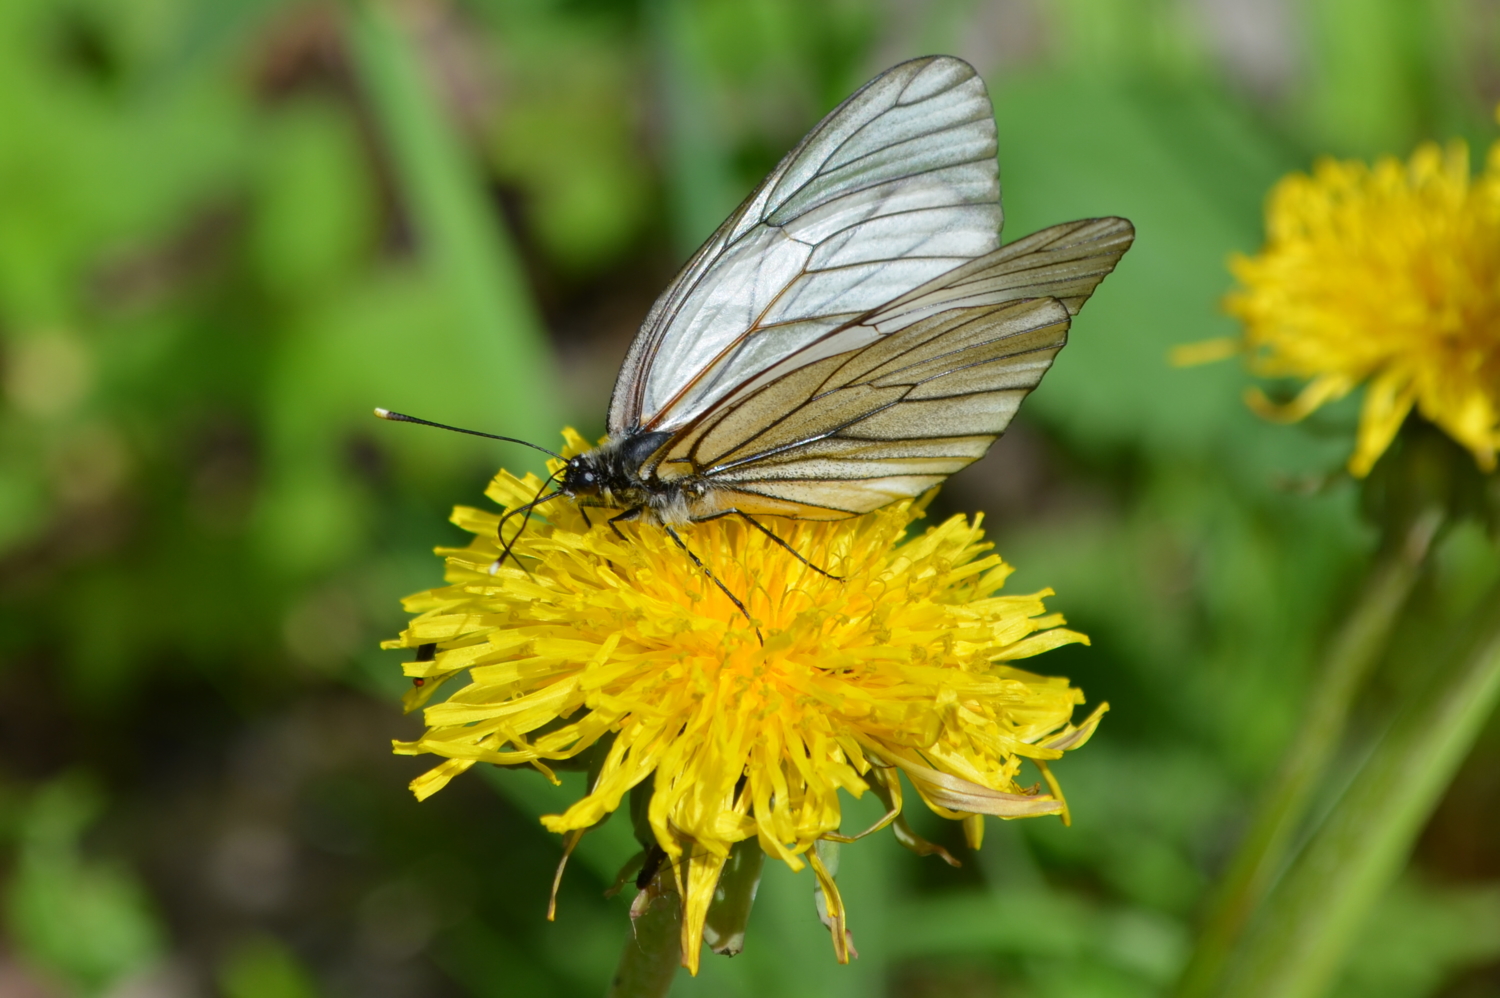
[[653, 950], [1299, 940], [1353, 652]]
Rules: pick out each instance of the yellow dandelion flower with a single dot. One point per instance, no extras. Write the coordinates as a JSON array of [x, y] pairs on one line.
[[903, 664], [1387, 276]]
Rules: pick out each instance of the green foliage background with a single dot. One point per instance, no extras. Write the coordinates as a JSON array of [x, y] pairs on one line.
[[230, 228]]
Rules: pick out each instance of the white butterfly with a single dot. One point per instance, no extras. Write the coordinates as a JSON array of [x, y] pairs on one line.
[[854, 333]]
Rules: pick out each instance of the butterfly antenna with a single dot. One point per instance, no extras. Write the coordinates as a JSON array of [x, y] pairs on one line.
[[527, 508], [401, 417]]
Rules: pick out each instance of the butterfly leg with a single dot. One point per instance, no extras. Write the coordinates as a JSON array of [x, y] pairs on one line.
[[771, 534], [507, 546], [716, 581], [625, 517]]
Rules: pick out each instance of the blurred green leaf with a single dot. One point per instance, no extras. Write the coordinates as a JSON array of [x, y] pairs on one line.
[[604, 850], [315, 216], [1126, 36], [1418, 936], [262, 967], [81, 165], [1077, 148], [86, 920], [1368, 93], [567, 134]]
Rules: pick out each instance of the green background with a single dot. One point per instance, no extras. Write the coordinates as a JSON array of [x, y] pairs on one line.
[[230, 228]]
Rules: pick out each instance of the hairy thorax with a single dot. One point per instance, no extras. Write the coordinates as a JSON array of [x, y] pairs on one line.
[[611, 475]]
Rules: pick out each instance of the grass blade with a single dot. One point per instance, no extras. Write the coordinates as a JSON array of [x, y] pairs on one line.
[[1304, 930], [456, 229]]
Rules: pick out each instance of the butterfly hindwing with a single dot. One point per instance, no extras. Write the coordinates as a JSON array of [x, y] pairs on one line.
[[1064, 261]]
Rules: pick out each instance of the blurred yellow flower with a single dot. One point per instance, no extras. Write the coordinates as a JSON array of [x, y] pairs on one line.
[[1387, 276], [900, 665]]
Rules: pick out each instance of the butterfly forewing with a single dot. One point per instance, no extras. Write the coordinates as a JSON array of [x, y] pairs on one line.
[[897, 186]]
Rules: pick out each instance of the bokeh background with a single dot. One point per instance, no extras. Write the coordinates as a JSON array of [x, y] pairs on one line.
[[228, 228]]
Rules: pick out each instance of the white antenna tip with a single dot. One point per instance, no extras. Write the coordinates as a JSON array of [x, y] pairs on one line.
[[383, 413]]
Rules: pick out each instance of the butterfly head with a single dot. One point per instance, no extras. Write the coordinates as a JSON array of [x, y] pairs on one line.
[[583, 476]]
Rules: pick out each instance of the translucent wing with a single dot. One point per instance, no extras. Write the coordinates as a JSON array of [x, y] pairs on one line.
[[851, 433], [1064, 261], [895, 187], [938, 376]]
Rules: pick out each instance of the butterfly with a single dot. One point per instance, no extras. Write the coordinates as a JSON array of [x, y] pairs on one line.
[[854, 332]]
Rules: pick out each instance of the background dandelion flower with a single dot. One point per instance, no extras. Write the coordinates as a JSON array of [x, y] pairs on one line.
[[1387, 276], [902, 665]]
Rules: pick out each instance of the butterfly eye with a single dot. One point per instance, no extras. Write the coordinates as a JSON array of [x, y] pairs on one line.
[[588, 476]]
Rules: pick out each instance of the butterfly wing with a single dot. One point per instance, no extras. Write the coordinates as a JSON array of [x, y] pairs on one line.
[[896, 186], [944, 373], [890, 421]]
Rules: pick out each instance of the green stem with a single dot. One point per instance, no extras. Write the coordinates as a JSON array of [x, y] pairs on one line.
[[1299, 940], [1263, 852], [653, 950]]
